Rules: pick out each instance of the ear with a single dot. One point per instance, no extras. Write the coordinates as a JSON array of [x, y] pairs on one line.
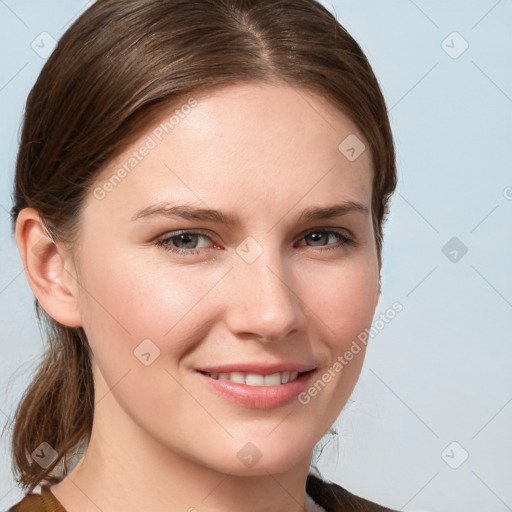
[[49, 269]]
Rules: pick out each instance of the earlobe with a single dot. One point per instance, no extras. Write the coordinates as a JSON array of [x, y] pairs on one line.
[[47, 268]]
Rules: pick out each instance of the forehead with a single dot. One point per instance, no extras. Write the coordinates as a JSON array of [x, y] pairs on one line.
[[243, 144]]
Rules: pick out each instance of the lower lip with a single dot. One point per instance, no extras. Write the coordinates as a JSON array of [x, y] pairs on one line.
[[258, 397]]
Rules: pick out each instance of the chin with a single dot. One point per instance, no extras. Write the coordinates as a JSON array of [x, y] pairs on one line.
[[262, 457]]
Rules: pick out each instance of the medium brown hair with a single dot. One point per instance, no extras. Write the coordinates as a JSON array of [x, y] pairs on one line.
[[118, 66]]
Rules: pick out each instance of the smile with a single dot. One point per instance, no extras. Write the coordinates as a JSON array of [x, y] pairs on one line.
[[255, 390], [255, 379]]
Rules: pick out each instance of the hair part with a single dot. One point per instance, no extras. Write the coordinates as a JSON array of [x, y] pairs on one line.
[[115, 69]]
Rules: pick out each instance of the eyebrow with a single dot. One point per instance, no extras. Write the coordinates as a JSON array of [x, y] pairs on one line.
[[232, 220]]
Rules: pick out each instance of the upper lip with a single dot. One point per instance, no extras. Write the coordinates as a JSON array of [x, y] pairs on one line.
[[258, 368]]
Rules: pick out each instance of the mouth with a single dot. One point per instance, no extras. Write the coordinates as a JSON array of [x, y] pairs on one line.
[[255, 379], [271, 388]]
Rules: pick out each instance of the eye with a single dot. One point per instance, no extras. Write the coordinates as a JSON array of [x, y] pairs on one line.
[[182, 238], [321, 236]]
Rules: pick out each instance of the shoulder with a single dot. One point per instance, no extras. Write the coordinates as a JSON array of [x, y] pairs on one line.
[[334, 498], [35, 502], [30, 503]]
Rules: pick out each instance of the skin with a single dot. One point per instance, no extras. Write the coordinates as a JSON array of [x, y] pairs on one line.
[[162, 440]]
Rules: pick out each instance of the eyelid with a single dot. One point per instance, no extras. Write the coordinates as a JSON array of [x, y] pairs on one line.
[[324, 228], [194, 232]]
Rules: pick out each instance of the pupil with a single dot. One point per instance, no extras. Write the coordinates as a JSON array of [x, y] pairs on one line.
[[316, 236], [184, 238]]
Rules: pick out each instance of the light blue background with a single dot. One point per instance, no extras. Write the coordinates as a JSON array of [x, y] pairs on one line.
[[441, 370]]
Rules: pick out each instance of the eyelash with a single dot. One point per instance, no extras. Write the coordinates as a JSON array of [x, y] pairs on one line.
[[344, 240]]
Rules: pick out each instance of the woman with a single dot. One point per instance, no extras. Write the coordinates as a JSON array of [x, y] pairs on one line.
[[200, 194]]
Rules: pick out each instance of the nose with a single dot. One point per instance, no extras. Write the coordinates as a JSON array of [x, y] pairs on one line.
[[264, 302]]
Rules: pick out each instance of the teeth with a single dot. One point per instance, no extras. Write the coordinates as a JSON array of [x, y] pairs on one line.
[[254, 379], [272, 380], [236, 377]]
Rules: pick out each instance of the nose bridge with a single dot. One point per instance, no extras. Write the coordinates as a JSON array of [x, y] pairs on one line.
[[266, 302]]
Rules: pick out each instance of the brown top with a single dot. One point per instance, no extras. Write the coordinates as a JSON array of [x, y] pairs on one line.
[[44, 502], [326, 497]]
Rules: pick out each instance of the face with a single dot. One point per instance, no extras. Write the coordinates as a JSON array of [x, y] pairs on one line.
[[213, 330]]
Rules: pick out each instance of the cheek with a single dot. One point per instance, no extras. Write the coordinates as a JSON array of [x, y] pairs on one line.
[[343, 304], [344, 307], [344, 298], [128, 298]]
